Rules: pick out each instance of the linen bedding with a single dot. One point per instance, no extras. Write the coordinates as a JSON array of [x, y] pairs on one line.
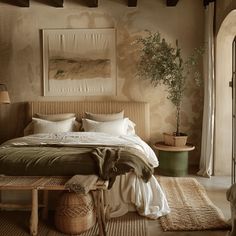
[[88, 153]]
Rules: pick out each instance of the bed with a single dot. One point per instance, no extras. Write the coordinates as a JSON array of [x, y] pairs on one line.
[[130, 190]]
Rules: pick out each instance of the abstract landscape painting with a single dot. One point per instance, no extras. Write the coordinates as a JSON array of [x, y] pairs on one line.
[[80, 68], [79, 62]]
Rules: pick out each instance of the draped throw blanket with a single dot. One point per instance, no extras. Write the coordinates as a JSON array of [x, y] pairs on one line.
[[118, 161]]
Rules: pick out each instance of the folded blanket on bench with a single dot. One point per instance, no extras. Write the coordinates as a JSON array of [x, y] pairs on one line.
[[81, 184]]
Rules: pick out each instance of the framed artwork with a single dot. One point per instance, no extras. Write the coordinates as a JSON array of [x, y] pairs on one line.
[[79, 62]]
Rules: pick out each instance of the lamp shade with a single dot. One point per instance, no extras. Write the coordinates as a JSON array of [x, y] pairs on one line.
[[4, 96]]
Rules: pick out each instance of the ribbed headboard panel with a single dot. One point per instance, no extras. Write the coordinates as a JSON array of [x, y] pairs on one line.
[[138, 112]]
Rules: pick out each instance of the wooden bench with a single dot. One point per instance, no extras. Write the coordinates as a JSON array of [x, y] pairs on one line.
[[46, 183]]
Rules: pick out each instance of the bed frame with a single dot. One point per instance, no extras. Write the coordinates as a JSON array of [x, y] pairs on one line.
[[138, 112]]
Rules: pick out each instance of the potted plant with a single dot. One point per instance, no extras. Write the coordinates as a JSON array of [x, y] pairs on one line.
[[161, 63]]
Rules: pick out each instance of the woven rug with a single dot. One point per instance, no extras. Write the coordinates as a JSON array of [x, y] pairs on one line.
[[17, 224], [191, 208]]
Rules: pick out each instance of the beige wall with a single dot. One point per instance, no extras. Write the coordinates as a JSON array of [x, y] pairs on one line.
[[225, 33], [223, 7], [21, 56], [223, 118]]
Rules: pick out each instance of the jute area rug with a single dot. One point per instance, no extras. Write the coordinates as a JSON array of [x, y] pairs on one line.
[[191, 208], [17, 224]]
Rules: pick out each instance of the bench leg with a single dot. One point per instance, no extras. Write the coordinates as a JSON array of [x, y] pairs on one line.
[[34, 213], [106, 206], [45, 203], [100, 213], [103, 211]]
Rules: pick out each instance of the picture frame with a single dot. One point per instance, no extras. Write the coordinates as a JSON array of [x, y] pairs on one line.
[[79, 62]]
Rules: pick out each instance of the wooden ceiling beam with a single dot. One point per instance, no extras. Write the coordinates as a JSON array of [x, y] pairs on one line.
[[57, 3], [23, 3], [92, 3], [171, 3], [132, 3]]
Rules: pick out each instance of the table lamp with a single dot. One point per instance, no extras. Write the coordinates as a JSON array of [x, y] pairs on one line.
[[4, 96]]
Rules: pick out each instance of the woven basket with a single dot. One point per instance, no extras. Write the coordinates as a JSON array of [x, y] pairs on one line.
[[177, 141], [75, 213]]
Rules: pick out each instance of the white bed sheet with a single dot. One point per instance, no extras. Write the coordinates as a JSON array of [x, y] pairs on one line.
[[128, 190]]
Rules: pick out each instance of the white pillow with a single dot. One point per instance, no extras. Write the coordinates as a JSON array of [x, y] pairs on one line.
[[130, 127], [115, 127], [104, 117], [55, 117], [29, 129], [46, 126]]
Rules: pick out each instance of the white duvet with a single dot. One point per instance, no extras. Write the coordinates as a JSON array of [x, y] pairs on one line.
[[128, 191]]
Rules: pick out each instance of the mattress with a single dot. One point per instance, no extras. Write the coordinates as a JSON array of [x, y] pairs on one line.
[[72, 153]]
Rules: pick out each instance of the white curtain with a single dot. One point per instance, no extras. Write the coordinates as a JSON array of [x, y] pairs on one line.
[[206, 160]]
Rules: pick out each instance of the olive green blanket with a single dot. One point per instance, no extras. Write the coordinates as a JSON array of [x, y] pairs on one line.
[[54, 160]]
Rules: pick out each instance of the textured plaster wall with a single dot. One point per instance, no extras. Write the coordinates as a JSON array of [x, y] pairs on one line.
[[225, 33], [21, 56], [223, 8], [223, 117]]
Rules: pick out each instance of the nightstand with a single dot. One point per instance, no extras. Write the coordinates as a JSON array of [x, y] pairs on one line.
[[173, 161]]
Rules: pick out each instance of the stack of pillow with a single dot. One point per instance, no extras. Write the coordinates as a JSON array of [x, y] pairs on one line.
[[114, 123], [52, 123]]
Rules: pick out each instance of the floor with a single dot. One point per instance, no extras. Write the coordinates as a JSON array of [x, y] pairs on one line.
[[216, 188]]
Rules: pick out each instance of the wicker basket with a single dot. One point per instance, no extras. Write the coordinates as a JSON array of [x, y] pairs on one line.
[[177, 141], [75, 213]]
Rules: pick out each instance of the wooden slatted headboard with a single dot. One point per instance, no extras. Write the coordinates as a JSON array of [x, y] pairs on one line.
[[138, 112]]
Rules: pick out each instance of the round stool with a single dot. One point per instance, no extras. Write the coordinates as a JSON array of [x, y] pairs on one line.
[[75, 213], [173, 160]]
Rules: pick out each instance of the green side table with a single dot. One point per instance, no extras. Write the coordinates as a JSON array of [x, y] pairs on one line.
[[173, 161]]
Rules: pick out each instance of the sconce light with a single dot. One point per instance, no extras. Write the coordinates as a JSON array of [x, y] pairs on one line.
[[4, 96]]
